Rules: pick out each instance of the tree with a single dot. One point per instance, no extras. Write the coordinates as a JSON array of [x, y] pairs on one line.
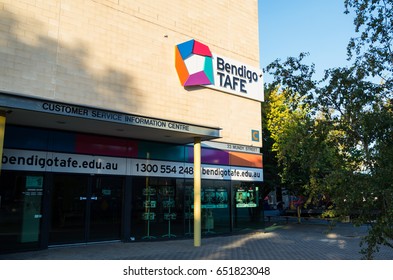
[[301, 139], [362, 120], [288, 127], [362, 109], [337, 134], [373, 48], [271, 178]]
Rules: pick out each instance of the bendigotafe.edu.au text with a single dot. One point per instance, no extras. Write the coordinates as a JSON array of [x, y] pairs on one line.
[[43, 162]]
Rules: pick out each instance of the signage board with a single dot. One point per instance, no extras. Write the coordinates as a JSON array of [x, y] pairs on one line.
[[196, 65], [27, 160]]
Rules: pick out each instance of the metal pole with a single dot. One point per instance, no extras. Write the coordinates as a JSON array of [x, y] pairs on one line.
[[197, 192]]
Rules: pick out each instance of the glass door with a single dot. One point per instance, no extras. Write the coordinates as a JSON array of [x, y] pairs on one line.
[[85, 208], [105, 208], [69, 207]]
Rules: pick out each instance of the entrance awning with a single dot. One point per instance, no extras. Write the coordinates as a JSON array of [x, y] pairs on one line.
[[36, 112]]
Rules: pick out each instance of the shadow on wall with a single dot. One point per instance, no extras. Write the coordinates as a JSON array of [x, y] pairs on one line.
[[39, 65]]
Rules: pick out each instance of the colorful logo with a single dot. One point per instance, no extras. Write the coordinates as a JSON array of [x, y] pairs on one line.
[[194, 64]]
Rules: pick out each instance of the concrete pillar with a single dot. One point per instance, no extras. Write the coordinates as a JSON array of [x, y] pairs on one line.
[[197, 192]]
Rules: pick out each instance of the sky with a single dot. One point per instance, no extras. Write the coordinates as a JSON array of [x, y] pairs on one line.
[[319, 27]]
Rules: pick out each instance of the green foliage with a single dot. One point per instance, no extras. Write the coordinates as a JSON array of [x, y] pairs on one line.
[[301, 142], [334, 138], [270, 165], [373, 47]]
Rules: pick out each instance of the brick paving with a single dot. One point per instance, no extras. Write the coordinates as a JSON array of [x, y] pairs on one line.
[[277, 242]]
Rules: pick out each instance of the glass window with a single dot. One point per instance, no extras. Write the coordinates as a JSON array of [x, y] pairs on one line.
[[247, 206], [215, 206], [157, 208], [20, 210], [26, 138]]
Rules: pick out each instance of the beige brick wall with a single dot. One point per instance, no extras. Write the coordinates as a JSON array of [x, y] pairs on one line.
[[119, 55]]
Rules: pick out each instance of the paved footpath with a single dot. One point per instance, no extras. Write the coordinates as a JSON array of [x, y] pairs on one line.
[[277, 242]]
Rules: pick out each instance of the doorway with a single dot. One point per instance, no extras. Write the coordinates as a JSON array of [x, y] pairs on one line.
[[86, 208]]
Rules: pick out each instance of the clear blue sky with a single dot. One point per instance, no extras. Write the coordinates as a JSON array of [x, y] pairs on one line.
[[319, 27]]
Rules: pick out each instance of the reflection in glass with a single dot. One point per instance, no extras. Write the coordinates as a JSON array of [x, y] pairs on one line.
[[247, 208], [157, 208], [215, 207]]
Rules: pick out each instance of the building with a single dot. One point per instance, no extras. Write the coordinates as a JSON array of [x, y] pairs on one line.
[[107, 106]]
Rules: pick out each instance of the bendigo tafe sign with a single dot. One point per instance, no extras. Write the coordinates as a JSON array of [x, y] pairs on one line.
[[197, 66]]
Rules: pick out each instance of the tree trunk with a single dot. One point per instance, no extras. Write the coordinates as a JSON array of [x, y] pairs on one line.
[[299, 212]]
